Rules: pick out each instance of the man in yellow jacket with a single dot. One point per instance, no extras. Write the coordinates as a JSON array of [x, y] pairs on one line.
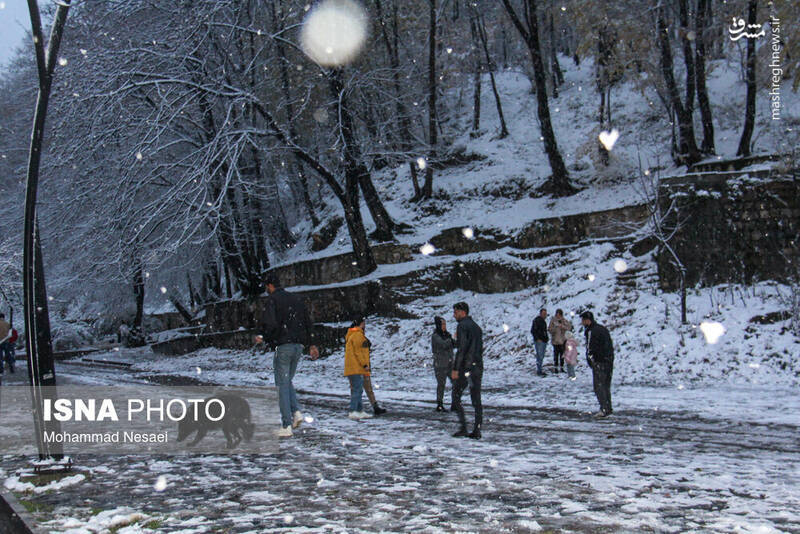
[[356, 366]]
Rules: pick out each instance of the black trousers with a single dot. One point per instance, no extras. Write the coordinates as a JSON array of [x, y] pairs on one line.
[[441, 381], [601, 373], [474, 381], [558, 355]]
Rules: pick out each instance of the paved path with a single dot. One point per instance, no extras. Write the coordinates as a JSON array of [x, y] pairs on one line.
[[559, 470]]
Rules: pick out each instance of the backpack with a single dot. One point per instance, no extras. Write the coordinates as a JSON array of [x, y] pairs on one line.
[[14, 336]]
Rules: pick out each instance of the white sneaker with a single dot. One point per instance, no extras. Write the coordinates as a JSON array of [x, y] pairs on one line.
[[354, 416], [297, 419], [284, 432], [364, 415]]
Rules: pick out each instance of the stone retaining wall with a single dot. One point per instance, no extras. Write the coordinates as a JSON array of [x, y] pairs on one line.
[[737, 232]]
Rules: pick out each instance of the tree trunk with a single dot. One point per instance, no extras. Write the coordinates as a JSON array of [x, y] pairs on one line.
[[481, 27], [354, 166], [415, 180], [688, 152], [555, 68], [365, 261], [404, 126], [138, 291], [427, 189], [299, 169], [750, 108], [700, 67], [559, 181], [476, 92]]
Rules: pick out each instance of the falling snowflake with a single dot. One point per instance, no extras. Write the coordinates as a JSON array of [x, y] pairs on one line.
[[591, 277], [139, 156], [2, 5], [309, 419], [84, 51], [288, 518], [421, 163], [163, 290], [427, 249], [506, 328], [161, 483], [449, 50], [620, 266], [468, 233], [334, 32], [321, 115], [755, 365], [199, 371], [62, 61], [608, 139], [712, 331]]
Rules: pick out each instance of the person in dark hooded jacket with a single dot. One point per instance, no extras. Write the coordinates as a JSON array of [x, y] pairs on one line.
[[442, 346], [600, 356], [467, 369]]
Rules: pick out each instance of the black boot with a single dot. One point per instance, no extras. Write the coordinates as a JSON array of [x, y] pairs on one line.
[[462, 432], [440, 407], [476, 432], [377, 410]]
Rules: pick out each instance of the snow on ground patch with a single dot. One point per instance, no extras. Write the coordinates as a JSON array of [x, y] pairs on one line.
[[13, 483]]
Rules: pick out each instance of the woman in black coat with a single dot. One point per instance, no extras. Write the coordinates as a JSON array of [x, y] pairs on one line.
[[442, 346]]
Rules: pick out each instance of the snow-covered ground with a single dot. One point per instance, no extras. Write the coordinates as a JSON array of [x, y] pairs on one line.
[[668, 461]]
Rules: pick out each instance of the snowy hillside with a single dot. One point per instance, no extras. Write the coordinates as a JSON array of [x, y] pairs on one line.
[[499, 189]]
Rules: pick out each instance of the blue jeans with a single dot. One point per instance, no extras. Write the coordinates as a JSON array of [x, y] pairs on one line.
[[356, 392], [285, 363], [541, 349], [7, 350], [571, 370]]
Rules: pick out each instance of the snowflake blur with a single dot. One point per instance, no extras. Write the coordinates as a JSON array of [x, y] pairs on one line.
[[161, 483], [620, 266], [609, 139], [334, 32], [427, 249], [712, 330]]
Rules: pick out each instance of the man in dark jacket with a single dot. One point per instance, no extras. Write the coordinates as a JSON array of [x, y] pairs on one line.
[[467, 369], [286, 324], [540, 337], [600, 356]]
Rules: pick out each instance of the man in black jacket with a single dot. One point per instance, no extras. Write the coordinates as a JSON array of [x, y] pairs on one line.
[[467, 369], [540, 337], [286, 325], [600, 356]]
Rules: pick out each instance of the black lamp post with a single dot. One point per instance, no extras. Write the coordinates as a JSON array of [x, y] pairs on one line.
[[39, 347]]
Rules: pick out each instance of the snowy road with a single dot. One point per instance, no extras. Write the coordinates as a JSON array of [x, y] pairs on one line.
[[557, 470]]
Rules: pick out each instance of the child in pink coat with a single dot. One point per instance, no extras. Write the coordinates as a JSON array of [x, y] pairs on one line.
[[571, 354]]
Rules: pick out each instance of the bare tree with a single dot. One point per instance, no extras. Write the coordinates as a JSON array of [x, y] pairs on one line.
[[688, 153], [664, 222], [529, 30], [750, 106]]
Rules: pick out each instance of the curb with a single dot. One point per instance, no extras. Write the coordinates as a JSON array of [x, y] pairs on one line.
[[19, 519]]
